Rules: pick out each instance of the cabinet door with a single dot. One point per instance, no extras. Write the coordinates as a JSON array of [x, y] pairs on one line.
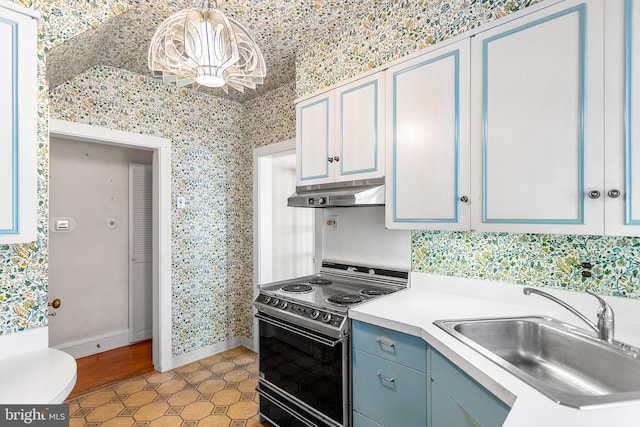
[[428, 134], [314, 140], [622, 113], [445, 412], [18, 106], [455, 395], [537, 122], [360, 120]]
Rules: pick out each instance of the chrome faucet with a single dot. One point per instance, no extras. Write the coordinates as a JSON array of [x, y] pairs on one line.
[[605, 326]]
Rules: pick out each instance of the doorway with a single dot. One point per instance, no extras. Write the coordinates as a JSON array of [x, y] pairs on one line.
[[284, 237], [91, 224], [161, 176]]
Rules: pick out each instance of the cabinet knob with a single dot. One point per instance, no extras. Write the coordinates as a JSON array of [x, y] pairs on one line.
[[330, 159], [594, 194], [614, 194], [337, 158], [464, 199]]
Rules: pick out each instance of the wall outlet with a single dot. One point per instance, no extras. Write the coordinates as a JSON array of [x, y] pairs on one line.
[[332, 221]]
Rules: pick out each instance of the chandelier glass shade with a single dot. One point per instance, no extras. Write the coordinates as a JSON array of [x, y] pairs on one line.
[[205, 47]]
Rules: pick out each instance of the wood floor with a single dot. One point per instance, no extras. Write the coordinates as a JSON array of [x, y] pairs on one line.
[[110, 367]]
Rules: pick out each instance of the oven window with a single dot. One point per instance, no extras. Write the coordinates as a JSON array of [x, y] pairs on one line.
[[310, 371]]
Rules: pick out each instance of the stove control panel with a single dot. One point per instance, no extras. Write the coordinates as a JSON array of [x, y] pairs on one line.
[[301, 310]]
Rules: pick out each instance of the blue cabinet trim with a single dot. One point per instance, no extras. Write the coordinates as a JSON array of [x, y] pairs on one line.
[[628, 112], [582, 12], [456, 55], [326, 106], [14, 137], [374, 168]]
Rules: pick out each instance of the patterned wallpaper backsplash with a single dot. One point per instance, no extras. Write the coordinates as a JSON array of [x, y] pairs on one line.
[[533, 259]]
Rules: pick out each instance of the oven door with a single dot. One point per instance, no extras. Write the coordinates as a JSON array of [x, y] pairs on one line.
[[303, 373]]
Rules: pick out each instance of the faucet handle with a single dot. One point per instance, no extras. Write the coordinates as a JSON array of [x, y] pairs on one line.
[[605, 308], [605, 319]]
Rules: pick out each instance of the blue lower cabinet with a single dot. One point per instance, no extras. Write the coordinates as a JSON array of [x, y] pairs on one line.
[[400, 381], [471, 403], [387, 393], [360, 420]]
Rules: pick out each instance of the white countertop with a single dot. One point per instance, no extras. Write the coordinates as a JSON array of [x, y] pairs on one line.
[[39, 376], [431, 298]]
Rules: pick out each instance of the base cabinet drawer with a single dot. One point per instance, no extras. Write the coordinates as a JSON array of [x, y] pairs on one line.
[[476, 402], [387, 393], [392, 345]]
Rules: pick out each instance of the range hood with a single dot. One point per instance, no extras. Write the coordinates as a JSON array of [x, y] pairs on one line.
[[365, 192]]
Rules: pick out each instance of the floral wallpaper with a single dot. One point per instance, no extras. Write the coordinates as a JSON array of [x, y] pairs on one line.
[[391, 30], [533, 259], [212, 273]]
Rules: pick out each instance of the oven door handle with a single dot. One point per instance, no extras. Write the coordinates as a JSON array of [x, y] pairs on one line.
[[318, 338]]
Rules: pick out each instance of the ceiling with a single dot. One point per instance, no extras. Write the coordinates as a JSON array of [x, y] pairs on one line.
[[279, 28]]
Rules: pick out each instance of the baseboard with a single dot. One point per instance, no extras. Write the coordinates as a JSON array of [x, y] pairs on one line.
[[210, 350], [96, 344]]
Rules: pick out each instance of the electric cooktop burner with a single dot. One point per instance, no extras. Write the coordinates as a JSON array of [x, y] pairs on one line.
[[297, 288], [345, 299], [374, 292], [320, 282]]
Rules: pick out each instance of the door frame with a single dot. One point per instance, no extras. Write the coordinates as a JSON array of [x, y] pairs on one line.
[[161, 165], [258, 154]]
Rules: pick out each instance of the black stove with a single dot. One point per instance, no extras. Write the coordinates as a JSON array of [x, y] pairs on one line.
[[304, 342], [320, 302]]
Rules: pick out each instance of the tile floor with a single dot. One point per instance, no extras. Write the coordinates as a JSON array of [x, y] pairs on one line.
[[217, 391]]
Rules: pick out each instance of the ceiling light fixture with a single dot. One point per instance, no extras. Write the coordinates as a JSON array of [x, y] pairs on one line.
[[206, 47]]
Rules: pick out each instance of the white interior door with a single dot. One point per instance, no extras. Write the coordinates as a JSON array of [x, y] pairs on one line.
[[140, 252]]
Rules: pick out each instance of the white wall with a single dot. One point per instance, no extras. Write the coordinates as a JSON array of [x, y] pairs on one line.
[[361, 238], [88, 267]]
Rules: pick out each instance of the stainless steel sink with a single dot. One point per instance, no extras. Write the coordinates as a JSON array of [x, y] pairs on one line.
[[562, 361]]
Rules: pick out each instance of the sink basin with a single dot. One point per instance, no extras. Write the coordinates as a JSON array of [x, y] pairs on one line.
[[562, 361]]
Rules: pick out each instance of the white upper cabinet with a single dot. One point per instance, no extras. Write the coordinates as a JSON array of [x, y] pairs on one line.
[[427, 182], [340, 133], [622, 118], [537, 122], [18, 124]]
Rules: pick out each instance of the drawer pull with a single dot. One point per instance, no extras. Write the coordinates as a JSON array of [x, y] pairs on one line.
[[386, 342], [386, 378]]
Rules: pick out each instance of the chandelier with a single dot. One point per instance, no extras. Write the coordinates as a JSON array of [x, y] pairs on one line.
[[206, 47]]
